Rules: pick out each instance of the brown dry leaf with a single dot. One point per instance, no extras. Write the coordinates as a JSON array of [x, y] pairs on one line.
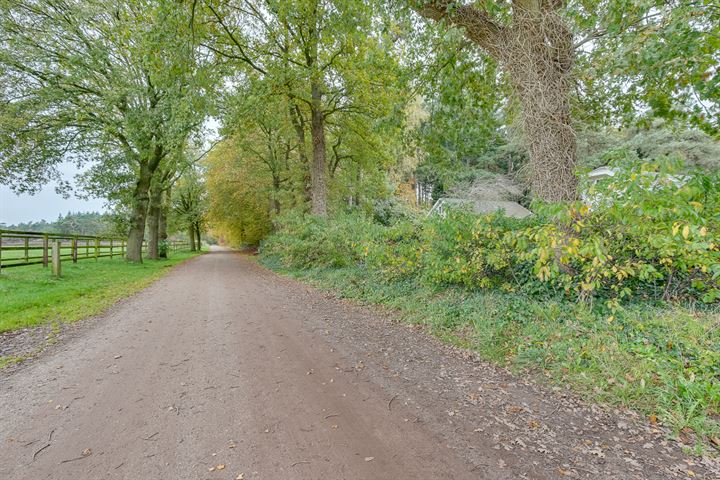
[[240, 476], [211, 469], [690, 473], [653, 419], [715, 440], [369, 459], [220, 467], [534, 424], [86, 452]]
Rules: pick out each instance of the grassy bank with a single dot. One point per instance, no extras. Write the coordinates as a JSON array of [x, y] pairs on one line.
[[30, 295], [662, 361]]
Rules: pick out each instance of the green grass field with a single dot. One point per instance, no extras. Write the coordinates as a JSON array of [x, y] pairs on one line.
[[30, 295]]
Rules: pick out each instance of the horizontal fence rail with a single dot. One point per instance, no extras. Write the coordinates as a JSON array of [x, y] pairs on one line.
[[18, 248]]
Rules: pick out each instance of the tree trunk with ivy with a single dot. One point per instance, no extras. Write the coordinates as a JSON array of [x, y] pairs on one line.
[[153, 223], [198, 235], [162, 222], [318, 170], [138, 216], [140, 200], [536, 51], [191, 235]]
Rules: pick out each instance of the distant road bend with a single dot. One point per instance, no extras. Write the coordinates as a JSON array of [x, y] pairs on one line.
[[224, 370]]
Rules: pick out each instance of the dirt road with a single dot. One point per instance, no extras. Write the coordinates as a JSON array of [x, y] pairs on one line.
[[223, 370]]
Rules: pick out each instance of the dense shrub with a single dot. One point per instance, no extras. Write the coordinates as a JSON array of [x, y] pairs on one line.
[[646, 233], [310, 241]]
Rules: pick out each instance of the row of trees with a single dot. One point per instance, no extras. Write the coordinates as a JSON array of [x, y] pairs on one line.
[[83, 223], [331, 104], [119, 86]]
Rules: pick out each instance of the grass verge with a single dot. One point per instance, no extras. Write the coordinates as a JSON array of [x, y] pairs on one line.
[[31, 296], [662, 361]]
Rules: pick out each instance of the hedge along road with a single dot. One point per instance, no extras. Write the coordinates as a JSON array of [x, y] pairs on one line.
[[224, 370]]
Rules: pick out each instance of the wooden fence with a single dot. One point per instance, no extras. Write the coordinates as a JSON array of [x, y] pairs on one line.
[[19, 248]]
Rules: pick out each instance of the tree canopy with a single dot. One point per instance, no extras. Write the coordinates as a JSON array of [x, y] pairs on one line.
[[325, 106]]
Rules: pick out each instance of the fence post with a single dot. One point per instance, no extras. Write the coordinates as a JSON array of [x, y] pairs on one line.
[[73, 249], [97, 248], [46, 246], [0, 251], [26, 242], [87, 248], [56, 258], [111, 248]]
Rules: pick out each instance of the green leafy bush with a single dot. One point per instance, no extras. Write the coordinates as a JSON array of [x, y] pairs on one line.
[[311, 241], [647, 233]]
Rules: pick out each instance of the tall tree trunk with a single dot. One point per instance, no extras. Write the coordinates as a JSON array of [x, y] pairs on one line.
[[299, 125], [276, 192], [162, 223], [153, 223], [318, 170], [139, 212], [539, 62], [191, 234], [536, 49], [199, 237]]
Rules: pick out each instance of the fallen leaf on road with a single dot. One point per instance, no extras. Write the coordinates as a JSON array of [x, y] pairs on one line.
[[369, 459], [86, 452], [240, 477], [220, 467]]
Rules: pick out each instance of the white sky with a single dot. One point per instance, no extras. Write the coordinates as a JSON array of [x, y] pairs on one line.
[[46, 204]]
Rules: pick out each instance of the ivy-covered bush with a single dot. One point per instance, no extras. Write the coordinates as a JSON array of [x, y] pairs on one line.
[[309, 241], [646, 233]]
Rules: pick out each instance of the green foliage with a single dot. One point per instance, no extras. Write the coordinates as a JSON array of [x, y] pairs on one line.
[[239, 192], [305, 68], [462, 110], [85, 81], [646, 234], [600, 147], [304, 241], [163, 248], [641, 60], [189, 202]]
